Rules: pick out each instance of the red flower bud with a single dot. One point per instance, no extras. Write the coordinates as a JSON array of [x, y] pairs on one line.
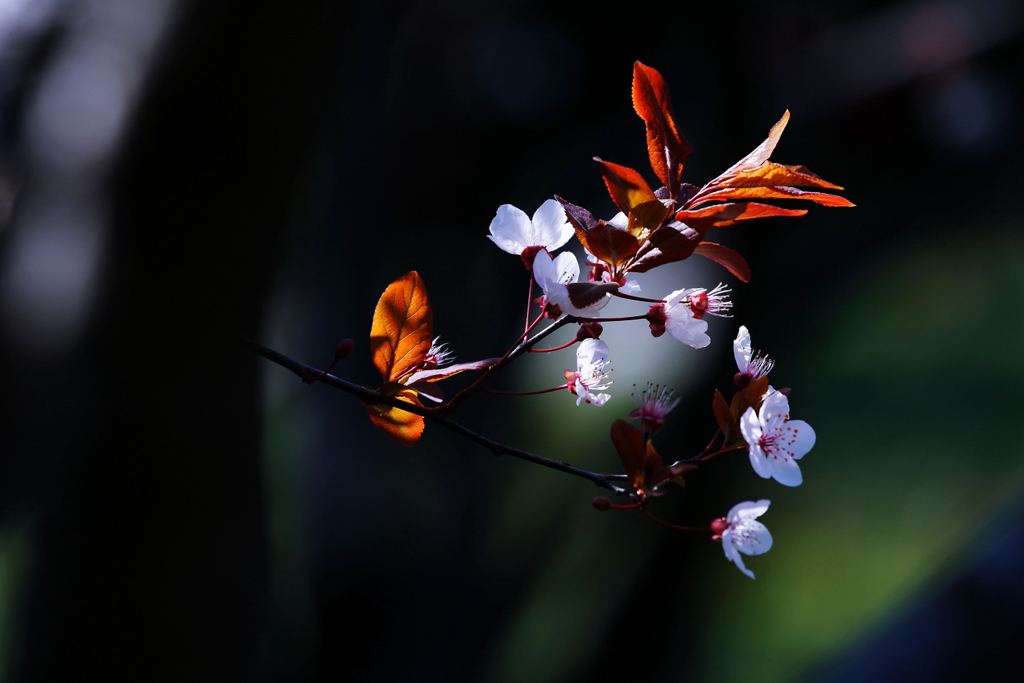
[[601, 503], [589, 331], [343, 348], [657, 319]]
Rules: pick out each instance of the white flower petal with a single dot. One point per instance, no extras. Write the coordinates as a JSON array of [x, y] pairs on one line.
[[619, 221], [752, 538], [741, 349], [631, 287], [800, 437], [785, 470], [590, 351], [748, 510], [567, 268], [550, 226], [511, 229], [775, 410]]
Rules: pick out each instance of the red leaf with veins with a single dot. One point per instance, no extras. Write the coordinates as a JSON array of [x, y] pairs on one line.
[[611, 245], [666, 146], [627, 187], [773, 192], [725, 256], [666, 245], [721, 215], [758, 156]]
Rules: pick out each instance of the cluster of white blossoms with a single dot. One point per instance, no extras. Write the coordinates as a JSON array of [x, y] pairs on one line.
[[774, 442]]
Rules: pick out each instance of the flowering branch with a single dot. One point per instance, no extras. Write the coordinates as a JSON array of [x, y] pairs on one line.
[[308, 373]]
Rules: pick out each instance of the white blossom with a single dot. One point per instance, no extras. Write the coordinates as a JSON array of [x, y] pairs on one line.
[[514, 232], [744, 534], [776, 442], [591, 359]]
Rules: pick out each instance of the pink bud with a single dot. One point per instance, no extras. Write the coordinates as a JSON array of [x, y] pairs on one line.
[[657, 319], [699, 304], [343, 348], [719, 525], [601, 503]]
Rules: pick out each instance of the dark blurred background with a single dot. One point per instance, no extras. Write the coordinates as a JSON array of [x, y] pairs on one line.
[[174, 174]]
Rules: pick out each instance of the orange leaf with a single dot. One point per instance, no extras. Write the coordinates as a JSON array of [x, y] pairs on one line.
[[721, 215], [401, 425], [666, 146], [627, 187], [773, 192], [757, 157], [726, 257], [402, 327], [611, 245], [770, 174]]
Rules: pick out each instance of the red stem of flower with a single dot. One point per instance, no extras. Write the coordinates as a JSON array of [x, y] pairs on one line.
[[711, 444], [613, 320], [672, 526], [324, 373], [625, 507], [555, 348], [529, 301], [721, 452]]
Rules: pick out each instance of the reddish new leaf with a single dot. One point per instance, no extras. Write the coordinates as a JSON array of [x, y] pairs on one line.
[[402, 327], [644, 467], [757, 157], [666, 146], [666, 245], [773, 192], [726, 421], [721, 215], [611, 245], [726, 257], [626, 186], [646, 216], [770, 174], [629, 443], [401, 425]]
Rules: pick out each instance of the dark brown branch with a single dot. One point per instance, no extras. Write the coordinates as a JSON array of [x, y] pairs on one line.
[[307, 373]]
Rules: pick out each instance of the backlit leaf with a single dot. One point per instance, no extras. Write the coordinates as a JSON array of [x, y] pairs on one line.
[[757, 157], [726, 257], [611, 245], [402, 327], [721, 215], [626, 186], [774, 192], [401, 425], [666, 146]]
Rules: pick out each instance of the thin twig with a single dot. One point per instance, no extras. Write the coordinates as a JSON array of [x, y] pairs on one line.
[[369, 396]]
